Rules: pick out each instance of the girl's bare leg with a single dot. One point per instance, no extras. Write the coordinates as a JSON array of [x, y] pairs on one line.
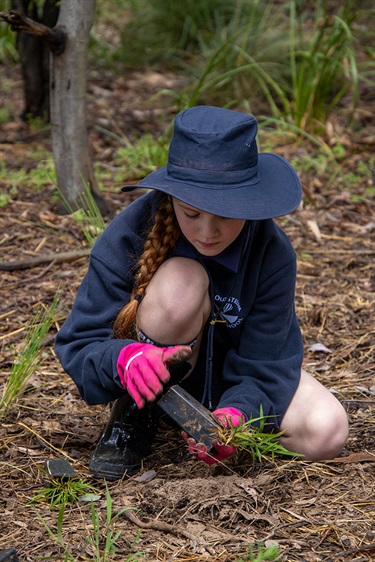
[[176, 305], [315, 423]]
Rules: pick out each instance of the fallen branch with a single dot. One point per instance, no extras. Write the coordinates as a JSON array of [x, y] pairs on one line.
[[30, 279], [34, 262]]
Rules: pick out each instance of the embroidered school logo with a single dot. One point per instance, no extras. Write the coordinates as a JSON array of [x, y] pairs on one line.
[[229, 310]]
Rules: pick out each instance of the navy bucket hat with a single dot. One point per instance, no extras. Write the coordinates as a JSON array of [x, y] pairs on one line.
[[214, 165]]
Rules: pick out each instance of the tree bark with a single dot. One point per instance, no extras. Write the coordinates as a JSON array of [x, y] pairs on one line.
[[74, 170], [34, 57], [68, 43]]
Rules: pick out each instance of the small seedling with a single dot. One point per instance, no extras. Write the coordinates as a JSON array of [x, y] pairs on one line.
[[86, 214], [102, 539], [29, 356], [255, 440], [60, 492]]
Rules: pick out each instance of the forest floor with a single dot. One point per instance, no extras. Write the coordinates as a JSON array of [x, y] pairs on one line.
[[185, 510]]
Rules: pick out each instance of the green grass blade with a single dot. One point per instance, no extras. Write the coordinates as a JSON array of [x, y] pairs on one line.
[[28, 358]]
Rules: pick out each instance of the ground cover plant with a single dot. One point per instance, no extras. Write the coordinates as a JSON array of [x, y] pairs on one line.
[[176, 508]]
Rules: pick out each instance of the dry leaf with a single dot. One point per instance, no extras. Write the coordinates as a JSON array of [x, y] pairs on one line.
[[146, 476], [319, 348]]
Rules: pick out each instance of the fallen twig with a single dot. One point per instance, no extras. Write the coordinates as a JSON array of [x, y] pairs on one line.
[[166, 527], [362, 456]]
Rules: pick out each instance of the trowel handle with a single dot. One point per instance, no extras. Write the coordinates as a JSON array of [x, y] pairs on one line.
[[178, 372]]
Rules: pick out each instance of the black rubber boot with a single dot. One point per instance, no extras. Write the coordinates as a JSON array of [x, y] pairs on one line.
[[126, 440]]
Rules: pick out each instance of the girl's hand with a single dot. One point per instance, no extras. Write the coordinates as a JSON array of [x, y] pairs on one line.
[[228, 417], [143, 369]]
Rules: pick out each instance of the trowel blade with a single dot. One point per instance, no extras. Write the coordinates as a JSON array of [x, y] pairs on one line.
[[190, 415]]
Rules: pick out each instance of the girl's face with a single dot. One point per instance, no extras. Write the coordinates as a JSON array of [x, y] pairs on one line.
[[209, 234]]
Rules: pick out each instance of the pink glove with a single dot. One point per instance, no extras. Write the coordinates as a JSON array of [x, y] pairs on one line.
[[229, 417], [143, 369]]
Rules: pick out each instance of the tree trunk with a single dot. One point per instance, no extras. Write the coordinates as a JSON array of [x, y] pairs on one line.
[[34, 58], [74, 170]]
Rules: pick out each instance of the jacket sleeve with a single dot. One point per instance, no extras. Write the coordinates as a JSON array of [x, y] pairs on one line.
[[264, 370], [85, 344]]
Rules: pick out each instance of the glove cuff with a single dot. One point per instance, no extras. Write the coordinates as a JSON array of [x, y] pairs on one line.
[[126, 355]]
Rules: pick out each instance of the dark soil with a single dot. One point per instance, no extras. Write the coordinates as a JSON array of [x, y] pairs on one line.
[[322, 511]]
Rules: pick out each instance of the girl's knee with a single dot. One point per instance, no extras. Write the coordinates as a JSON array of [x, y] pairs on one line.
[[328, 433], [179, 280], [182, 289], [315, 424], [176, 301]]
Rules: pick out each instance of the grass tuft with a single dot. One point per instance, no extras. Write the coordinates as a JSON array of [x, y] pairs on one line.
[[255, 440], [28, 358], [86, 214], [62, 492]]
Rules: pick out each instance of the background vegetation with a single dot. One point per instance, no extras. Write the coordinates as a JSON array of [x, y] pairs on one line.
[[298, 65]]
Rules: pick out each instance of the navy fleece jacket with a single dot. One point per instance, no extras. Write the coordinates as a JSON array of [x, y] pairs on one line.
[[250, 359]]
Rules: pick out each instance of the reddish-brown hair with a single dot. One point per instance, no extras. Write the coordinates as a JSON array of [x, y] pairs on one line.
[[158, 247]]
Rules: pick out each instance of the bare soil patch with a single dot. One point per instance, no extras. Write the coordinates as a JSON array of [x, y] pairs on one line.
[[188, 511]]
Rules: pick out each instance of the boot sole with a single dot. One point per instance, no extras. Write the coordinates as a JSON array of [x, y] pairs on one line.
[[101, 472]]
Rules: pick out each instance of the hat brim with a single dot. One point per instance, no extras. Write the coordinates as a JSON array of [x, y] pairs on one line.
[[277, 193]]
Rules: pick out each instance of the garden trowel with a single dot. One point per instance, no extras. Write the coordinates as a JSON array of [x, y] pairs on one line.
[[184, 409], [190, 415]]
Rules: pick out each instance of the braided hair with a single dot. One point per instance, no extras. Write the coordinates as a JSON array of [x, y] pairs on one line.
[[158, 247]]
